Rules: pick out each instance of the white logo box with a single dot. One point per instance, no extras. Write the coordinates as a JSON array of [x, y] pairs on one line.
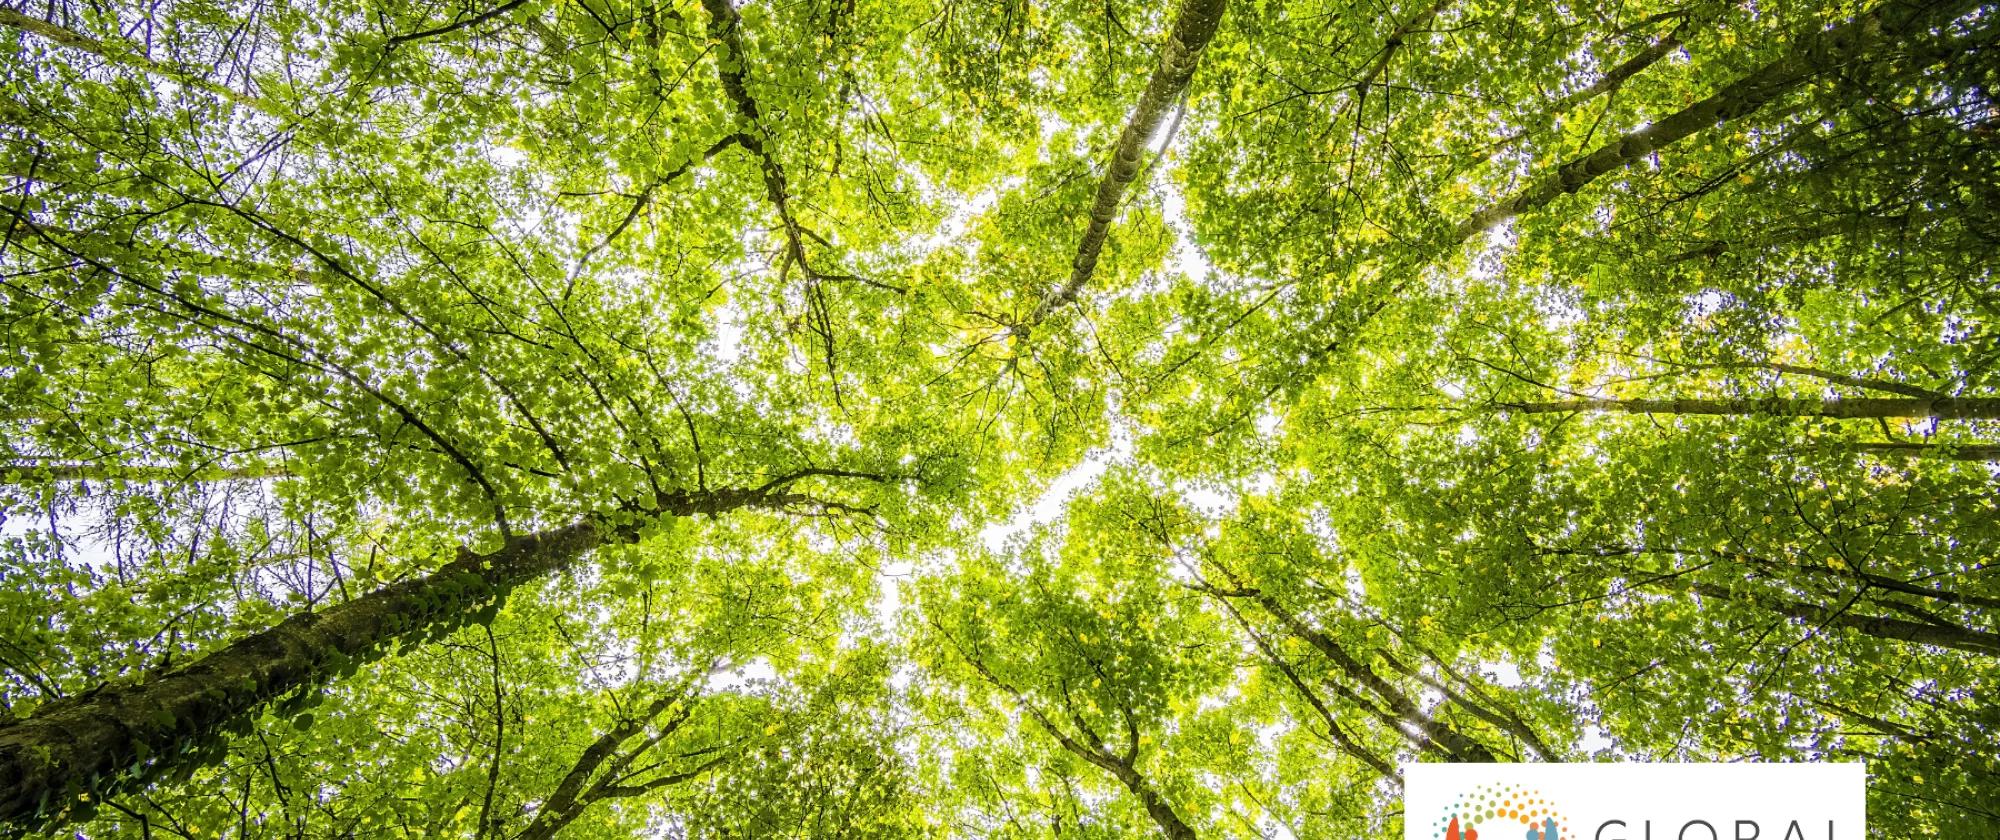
[[1635, 801]]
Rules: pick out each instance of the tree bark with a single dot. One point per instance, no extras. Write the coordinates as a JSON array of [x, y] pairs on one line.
[[577, 792], [120, 735], [1194, 26], [1157, 807], [1091, 749], [1124, 767], [1816, 53], [1967, 452], [1504, 721], [454, 26], [1965, 408], [1335, 733], [726, 27], [129, 56], [1811, 55], [1893, 629], [1454, 742], [1617, 76]]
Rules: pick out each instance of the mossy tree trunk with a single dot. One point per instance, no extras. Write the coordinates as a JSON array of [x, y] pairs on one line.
[[119, 735]]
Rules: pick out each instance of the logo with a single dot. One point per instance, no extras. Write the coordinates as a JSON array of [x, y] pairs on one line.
[[1741, 801], [1495, 809]]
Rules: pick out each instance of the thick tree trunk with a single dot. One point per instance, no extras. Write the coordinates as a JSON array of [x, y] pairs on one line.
[[1157, 806], [124, 734], [1812, 55], [91, 742], [1194, 26], [1970, 408]]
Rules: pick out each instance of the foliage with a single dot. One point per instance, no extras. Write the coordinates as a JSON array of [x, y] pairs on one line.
[[689, 419]]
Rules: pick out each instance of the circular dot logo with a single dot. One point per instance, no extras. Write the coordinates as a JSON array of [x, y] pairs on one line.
[[1502, 812]]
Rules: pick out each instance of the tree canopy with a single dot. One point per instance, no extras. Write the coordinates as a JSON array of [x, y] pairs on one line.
[[986, 418]]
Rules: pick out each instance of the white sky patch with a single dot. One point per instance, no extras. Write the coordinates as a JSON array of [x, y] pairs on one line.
[[1228, 696], [730, 679], [1706, 302], [1269, 733], [900, 677], [727, 344], [825, 430], [80, 532], [1186, 257], [1211, 500], [953, 228], [506, 156], [1053, 501], [1485, 266], [889, 594], [1560, 313], [1595, 739], [1269, 424], [1052, 125], [1049, 506]]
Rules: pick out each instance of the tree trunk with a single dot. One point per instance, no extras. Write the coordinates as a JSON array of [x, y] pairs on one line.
[[1894, 629], [1335, 733], [1969, 408], [134, 58], [604, 761], [119, 735], [1157, 806], [1194, 26], [1092, 749], [1956, 452], [1504, 721], [1616, 77], [1454, 742], [1811, 56]]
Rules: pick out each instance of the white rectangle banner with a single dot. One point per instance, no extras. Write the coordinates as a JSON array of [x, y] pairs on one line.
[[1635, 802]]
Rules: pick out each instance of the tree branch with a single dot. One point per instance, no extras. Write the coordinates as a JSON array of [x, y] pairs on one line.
[[1194, 26]]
